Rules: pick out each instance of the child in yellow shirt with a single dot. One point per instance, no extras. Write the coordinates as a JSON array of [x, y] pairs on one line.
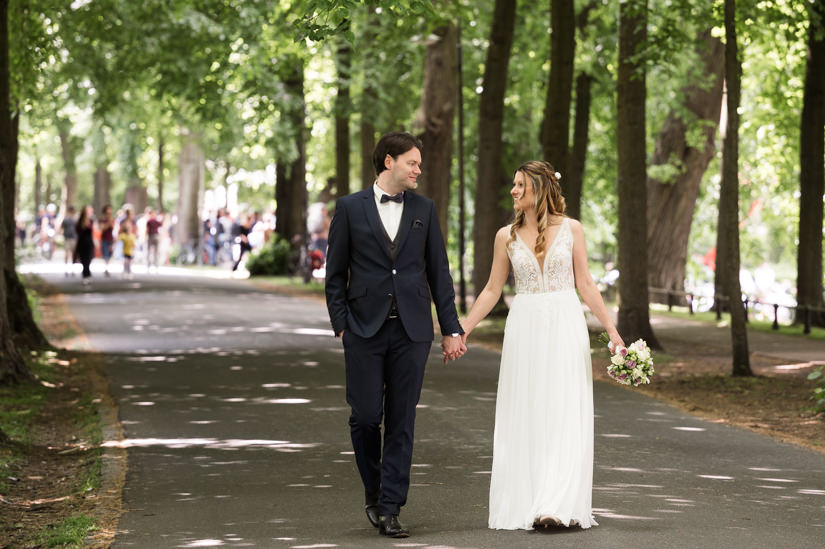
[[126, 234]]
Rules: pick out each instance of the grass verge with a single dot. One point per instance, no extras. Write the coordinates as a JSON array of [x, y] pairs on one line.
[[69, 533], [50, 466]]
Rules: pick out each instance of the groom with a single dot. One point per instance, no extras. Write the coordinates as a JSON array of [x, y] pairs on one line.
[[386, 257]]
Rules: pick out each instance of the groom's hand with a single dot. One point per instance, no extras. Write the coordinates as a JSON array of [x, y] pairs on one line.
[[452, 348]]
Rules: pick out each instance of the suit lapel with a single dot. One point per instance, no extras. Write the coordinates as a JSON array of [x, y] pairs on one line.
[[374, 221], [407, 215]]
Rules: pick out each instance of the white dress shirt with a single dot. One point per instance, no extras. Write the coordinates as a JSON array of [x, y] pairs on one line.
[[390, 212]]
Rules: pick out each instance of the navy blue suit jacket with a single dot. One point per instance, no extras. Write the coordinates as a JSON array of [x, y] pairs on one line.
[[362, 277]]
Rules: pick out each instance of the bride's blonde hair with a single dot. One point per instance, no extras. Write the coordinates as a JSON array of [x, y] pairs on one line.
[[548, 198]]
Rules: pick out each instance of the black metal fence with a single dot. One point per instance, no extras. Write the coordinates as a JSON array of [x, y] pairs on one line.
[[671, 298]]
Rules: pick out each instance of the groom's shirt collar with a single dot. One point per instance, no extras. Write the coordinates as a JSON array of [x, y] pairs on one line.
[[389, 212]]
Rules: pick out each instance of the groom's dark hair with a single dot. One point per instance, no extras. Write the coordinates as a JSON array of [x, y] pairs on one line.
[[393, 144]]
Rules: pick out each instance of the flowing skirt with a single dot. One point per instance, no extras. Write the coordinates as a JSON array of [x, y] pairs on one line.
[[543, 439]]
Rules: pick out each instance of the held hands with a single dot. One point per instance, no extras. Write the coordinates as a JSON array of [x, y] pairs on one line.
[[452, 348]]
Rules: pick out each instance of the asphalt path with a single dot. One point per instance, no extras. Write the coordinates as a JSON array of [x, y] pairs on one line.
[[232, 403]]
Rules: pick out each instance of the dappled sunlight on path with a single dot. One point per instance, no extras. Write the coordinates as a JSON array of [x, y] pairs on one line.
[[233, 405]]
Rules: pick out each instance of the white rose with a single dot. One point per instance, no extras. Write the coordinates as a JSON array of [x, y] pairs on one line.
[[618, 360]]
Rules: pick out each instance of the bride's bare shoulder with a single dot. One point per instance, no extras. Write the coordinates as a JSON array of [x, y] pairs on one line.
[[575, 224]]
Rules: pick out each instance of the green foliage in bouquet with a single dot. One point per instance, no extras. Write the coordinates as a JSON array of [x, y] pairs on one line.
[[271, 260]]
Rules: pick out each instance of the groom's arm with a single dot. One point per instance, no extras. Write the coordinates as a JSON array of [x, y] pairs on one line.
[[438, 276], [337, 276]]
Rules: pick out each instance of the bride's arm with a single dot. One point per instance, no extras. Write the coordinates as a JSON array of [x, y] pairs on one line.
[[489, 296], [587, 287]]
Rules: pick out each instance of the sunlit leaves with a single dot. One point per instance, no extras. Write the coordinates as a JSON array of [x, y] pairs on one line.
[[321, 19]]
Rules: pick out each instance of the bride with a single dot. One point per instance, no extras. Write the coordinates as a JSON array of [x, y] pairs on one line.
[[543, 439]]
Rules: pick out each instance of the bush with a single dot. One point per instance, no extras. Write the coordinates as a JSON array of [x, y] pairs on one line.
[[271, 260], [819, 391]]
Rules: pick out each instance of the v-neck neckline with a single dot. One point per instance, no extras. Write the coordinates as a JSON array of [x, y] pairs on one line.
[[543, 263]]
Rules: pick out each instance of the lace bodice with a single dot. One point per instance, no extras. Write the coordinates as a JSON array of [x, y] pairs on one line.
[[558, 264]]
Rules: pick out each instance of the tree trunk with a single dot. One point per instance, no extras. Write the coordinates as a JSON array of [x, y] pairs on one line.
[[48, 196], [38, 185], [367, 146], [343, 107], [190, 183], [227, 171], [137, 196], [68, 150], [102, 185], [161, 144], [812, 173], [573, 180], [671, 204], [555, 128], [634, 314], [727, 265], [291, 188], [12, 366], [27, 334], [434, 120], [369, 97], [490, 189]]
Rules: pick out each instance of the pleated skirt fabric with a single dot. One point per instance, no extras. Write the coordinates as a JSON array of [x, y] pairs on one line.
[[543, 439]]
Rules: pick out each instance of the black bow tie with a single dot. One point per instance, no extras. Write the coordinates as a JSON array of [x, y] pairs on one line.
[[395, 198]]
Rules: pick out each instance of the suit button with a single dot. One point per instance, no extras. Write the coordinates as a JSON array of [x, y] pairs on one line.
[[393, 271], [389, 296]]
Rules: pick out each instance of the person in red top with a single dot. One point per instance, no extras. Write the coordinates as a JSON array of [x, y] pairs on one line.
[[153, 224], [106, 224]]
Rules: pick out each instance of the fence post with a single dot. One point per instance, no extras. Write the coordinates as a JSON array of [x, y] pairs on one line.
[[745, 302], [717, 304], [669, 300], [775, 325], [689, 298]]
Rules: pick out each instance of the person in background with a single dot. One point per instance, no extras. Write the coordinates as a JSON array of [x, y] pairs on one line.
[[211, 237], [243, 239], [106, 224], [47, 227], [68, 226], [318, 226], [153, 225], [126, 235], [21, 231], [85, 248]]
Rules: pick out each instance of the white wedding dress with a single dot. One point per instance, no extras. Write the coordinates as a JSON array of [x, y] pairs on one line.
[[543, 440]]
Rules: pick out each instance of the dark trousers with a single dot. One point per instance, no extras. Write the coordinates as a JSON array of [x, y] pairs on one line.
[[384, 377], [86, 261]]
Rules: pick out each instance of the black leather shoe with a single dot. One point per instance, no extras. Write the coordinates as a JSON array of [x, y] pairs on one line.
[[388, 525], [372, 514]]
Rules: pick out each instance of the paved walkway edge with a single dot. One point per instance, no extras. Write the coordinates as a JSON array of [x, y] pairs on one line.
[[113, 459]]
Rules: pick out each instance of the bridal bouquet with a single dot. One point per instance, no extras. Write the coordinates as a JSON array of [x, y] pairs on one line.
[[631, 365]]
